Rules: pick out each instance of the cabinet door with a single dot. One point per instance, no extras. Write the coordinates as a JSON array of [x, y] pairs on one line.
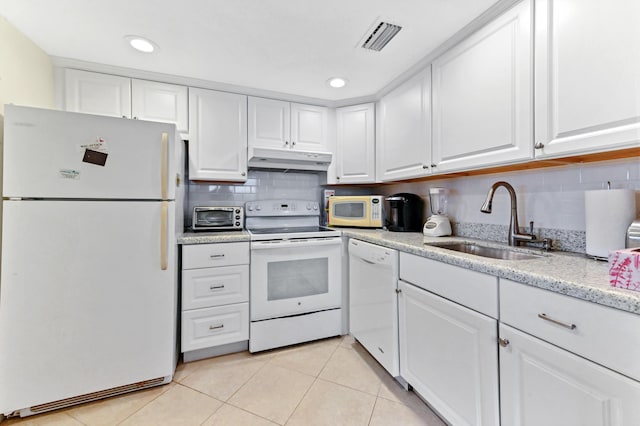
[[449, 354], [218, 135], [404, 148], [586, 76], [541, 384], [100, 94], [482, 96], [309, 127], [355, 153], [269, 123], [166, 103]]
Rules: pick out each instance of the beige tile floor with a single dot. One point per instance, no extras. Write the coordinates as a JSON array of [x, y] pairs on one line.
[[329, 382]]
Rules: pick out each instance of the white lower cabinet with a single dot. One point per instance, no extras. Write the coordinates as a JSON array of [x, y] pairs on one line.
[[449, 352], [566, 361], [215, 299], [542, 384]]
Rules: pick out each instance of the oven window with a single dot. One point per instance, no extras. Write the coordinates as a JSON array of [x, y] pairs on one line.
[[351, 209], [297, 278], [215, 217]]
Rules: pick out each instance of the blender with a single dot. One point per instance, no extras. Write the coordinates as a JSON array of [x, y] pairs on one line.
[[437, 224]]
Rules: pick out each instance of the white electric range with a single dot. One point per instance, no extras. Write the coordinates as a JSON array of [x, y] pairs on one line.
[[296, 274]]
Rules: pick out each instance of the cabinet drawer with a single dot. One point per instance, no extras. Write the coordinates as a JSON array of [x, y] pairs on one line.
[[208, 287], [605, 335], [204, 328], [473, 289], [208, 255]]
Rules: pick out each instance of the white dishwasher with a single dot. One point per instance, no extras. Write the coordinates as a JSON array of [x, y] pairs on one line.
[[373, 301]]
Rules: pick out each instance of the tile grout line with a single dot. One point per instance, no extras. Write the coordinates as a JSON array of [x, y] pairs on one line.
[[372, 411], [169, 386]]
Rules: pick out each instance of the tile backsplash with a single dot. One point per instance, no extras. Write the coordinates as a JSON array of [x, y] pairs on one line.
[[551, 197], [262, 185]]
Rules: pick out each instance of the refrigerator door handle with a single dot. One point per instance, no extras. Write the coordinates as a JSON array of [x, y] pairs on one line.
[[163, 165], [163, 235]]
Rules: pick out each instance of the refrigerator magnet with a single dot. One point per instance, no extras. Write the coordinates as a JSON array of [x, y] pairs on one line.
[[95, 157]]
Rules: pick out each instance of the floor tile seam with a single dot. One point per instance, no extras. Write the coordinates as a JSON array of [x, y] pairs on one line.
[[249, 412], [168, 387], [201, 393], [252, 413], [245, 384], [301, 399], [188, 375], [315, 376], [69, 414], [346, 386], [373, 409], [211, 415]]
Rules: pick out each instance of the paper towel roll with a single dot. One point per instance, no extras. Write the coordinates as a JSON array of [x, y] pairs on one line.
[[608, 214]]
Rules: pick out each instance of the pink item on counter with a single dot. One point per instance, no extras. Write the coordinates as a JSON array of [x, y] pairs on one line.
[[624, 268]]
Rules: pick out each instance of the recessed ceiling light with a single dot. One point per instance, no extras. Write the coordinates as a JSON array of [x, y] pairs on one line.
[[337, 82], [141, 44]]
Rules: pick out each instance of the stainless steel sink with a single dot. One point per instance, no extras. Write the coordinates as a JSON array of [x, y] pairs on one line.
[[484, 251]]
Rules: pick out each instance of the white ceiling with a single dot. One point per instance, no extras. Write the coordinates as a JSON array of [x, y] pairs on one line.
[[288, 46]]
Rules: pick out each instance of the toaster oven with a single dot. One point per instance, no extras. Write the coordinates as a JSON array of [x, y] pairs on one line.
[[217, 218]]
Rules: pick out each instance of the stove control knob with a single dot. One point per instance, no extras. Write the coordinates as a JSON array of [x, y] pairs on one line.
[[315, 206], [238, 217], [258, 208], [237, 223], [237, 211], [250, 207], [308, 206]]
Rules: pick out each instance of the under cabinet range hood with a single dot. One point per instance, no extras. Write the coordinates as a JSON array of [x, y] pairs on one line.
[[274, 158]]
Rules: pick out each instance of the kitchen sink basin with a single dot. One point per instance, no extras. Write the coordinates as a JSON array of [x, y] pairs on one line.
[[490, 252]]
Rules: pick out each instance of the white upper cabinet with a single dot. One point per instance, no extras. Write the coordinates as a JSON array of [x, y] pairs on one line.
[[482, 95], [100, 94], [112, 95], [269, 123], [280, 124], [403, 148], [355, 150], [309, 127], [161, 102], [587, 76], [218, 136]]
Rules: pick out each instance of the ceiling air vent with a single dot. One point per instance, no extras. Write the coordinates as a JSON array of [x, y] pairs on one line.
[[382, 34]]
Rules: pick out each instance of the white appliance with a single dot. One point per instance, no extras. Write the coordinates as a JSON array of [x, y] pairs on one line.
[[275, 158], [373, 301], [89, 268], [437, 225], [296, 274]]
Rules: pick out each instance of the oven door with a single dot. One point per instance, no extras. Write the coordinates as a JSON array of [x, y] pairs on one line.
[[295, 276]]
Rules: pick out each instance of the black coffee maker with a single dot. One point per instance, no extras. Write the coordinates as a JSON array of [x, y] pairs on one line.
[[405, 212]]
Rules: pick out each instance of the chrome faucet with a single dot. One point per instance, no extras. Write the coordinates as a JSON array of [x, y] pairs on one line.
[[515, 237]]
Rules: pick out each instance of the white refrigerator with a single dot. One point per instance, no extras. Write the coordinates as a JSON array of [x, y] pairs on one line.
[[88, 290]]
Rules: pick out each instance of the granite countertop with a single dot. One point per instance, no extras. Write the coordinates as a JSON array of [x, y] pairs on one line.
[[574, 275], [191, 237]]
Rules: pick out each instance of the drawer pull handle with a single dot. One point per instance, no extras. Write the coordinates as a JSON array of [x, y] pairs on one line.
[[216, 327], [560, 323], [216, 287], [216, 256]]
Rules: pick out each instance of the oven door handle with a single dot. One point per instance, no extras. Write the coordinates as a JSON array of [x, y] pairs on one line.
[[311, 242]]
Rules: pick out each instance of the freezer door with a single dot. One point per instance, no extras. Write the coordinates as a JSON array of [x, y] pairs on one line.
[[59, 154], [84, 303]]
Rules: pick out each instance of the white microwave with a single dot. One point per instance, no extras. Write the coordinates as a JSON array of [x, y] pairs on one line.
[[362, 211]]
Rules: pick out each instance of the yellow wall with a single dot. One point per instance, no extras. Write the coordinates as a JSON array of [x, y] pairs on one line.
[[26, 71], [26, 77]]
